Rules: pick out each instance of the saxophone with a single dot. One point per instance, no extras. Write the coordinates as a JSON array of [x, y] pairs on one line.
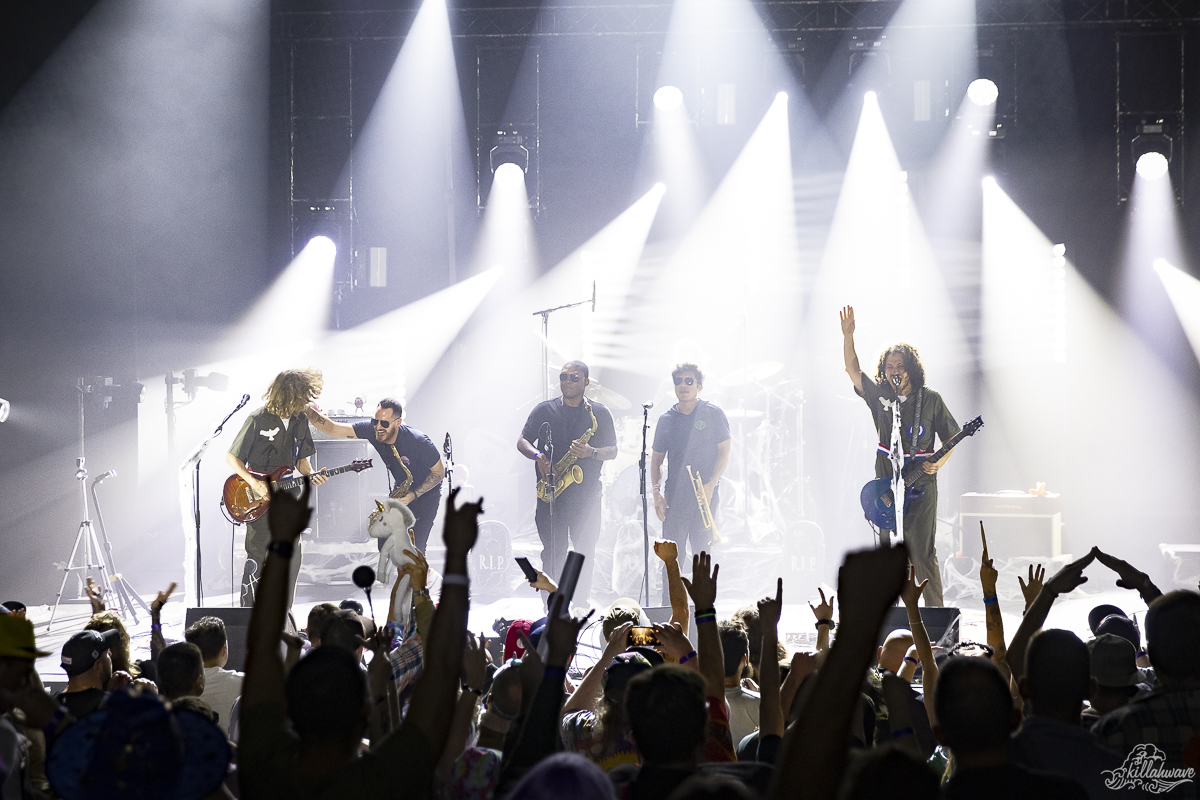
[[566, 470], [706, 516]]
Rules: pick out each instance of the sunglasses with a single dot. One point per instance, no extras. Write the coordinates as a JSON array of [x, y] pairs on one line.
[[383, 423], [562, 376], [689, 381]]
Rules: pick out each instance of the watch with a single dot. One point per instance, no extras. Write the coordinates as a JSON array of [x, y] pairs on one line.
[[421, 592]]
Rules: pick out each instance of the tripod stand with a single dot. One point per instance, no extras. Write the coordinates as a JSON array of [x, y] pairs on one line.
[[93, 553]]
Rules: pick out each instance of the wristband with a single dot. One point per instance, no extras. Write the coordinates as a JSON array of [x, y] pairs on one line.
[[156, 627], [821, 622], [912, 661], [554, 673], [688, 657], [707, 615], [903, 732], [1141, 654], [55, 720], [421, 592], [456, 580], [989, 600], [281, 548]]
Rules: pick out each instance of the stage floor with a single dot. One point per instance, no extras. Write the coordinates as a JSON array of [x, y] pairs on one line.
[[796, 628]]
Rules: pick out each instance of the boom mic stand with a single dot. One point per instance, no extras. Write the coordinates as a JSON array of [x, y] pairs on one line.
[[897, 458], [87, 533]]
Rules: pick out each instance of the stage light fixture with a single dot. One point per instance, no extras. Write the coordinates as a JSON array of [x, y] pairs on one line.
[[1152, 166], [215, 381], [982, 92], [5, 408], [668, 98], [102, 391], [871, 97], [510, 149]]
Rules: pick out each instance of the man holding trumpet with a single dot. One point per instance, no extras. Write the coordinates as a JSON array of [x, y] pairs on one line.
[[693, 436]]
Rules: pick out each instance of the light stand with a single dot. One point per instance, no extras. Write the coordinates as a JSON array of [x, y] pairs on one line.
[[645, 509], [86, 534], [126, 595]]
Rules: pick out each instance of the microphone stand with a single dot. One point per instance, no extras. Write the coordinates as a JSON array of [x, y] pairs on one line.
[[550, 482], [645, 509], [193, 460], [545, 315], [448, 452], [897, 458]]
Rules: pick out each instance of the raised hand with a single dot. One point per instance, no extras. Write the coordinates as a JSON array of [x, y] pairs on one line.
[[288, 516], [462, 525], [1037, 577], [1128, 576], [618, 641], [846, 315], [987, 571], [161, 599], [118, 680], [673, 642], [823, 610], [868, 582], [769, 608], [562, 632], [475, 662], [94, 595], [417, 571], [911, 591], [313, 412], [666, 550], [703, 586], [1071, 576]]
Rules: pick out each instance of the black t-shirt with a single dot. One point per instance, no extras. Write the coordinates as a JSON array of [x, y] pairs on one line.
[[264, 443], [690, 439], [81, 703], [935, 418], [567, 424], [1009, 781], [417, 450]]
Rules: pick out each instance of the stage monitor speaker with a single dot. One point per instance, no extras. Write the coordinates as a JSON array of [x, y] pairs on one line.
[[937, 622], [237, 626]]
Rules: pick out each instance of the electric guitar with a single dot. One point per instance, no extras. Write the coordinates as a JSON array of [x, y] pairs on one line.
[[878, 502], [240, 504]]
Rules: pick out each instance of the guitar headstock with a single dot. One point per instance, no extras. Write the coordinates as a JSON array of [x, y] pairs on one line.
[[973, 426], [361, 464]]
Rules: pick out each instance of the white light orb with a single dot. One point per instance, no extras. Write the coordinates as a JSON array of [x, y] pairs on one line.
[[1152, 166], [1058, 250], [871, 97], [668, 98], [322, 246], [508, 171], [660, 187], [982, 92], [989, 182], [781, 97]]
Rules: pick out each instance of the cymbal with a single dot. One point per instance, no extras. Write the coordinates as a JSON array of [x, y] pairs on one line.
[[607, 396], [744, 413], [752, 373]]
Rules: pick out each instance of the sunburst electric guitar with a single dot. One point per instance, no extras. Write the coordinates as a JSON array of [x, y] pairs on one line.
[[240, 504]]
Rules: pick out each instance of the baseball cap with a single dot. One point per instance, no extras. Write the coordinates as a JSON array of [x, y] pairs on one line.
[[1097, 615], [16, 638], [1113, 661], [84, 648], [513, 648], [622, 610], [624, 666], [1121, 626]]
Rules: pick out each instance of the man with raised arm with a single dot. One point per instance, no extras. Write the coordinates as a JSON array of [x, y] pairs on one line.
[[900, 375], [325, 696]]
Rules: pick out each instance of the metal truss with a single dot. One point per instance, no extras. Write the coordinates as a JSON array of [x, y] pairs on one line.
[[779, 17]]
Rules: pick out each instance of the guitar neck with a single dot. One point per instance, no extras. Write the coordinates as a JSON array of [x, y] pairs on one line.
[[293, 483], [912, 470]]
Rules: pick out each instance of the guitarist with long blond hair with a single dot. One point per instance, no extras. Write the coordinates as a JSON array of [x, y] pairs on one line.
[[276, 435]]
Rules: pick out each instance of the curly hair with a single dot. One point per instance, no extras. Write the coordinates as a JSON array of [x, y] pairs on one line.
[[687, 366], [292, 390], [912, 364], [108, 621]]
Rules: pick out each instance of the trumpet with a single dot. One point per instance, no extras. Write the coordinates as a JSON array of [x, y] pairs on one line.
[[702, 500]]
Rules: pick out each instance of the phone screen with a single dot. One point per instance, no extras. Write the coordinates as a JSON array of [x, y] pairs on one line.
[[643, 637]]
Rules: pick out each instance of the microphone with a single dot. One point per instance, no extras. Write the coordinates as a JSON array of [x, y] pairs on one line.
[[896, 381], [648, 405], [112, 473], [241, 405], [447, 448], [593, 297]]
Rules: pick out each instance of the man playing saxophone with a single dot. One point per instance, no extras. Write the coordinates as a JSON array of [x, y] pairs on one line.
[[412, 459], [582, 434], [692, 437]]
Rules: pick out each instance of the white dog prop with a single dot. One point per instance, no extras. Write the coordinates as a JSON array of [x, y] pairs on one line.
[[392, 521]]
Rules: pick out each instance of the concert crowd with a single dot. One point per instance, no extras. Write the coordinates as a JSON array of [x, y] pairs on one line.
[[343, 709]]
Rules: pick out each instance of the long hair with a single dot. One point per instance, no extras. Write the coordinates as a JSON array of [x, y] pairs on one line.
[[912, 364], [109, 621], [292, 390]]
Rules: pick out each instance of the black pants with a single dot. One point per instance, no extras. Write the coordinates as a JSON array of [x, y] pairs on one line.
[[683, 525], [577, 518], [920, 530], [258, 537]]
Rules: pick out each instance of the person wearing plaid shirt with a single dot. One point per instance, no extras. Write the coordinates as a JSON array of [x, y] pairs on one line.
[[1169, 716]]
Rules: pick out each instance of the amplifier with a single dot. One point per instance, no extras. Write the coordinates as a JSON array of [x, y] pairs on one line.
[[344, 502], [1018, 524]]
